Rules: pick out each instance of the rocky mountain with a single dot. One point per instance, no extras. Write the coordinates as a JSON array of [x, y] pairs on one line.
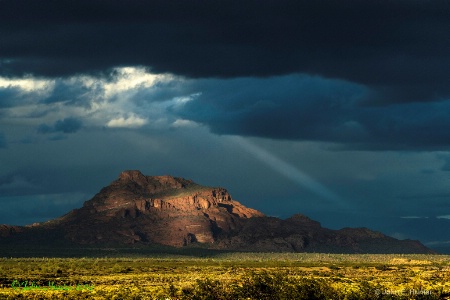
[[171, 211]]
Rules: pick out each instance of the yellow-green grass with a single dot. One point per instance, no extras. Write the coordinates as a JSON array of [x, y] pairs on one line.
[[228, 276]]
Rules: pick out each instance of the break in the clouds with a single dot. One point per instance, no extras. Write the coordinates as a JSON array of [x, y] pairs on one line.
[[131, 121], [124, 98], [397, 48]]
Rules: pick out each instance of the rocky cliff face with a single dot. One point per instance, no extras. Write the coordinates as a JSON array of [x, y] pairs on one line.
[[178, 212], [155, 209]]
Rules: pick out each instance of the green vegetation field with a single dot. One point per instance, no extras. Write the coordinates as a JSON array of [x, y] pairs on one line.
[[228, 276]]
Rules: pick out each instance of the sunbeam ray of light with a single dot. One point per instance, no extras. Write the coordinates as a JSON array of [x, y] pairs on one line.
[[289, 171]]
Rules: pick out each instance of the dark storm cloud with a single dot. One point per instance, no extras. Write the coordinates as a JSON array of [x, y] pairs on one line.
[[67, 125], [310, 108], [398, 48]]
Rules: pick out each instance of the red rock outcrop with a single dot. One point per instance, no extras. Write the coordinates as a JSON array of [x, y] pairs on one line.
[[173, 211], [156, 209]]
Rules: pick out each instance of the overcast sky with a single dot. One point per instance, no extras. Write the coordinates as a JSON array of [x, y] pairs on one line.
[[339, 110]]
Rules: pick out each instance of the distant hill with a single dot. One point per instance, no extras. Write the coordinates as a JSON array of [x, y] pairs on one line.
[[172, 211]]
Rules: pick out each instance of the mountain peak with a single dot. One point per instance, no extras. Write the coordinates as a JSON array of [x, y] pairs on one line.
[[131, 175], [153, 184]]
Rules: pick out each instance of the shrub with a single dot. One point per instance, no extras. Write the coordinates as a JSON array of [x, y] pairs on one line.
[[262, 286]]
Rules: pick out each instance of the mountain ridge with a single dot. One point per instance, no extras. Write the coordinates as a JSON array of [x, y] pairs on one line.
[[172, 211]]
